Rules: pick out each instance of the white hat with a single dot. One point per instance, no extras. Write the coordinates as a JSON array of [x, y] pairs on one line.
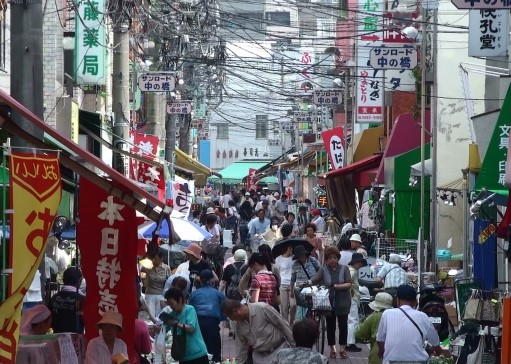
[[111, 318], [210, 210], [247, 193], [32, 316], [240, 255], [356, 237], [382, 301], [276, 194]]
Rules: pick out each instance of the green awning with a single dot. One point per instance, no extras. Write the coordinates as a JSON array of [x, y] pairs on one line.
[[237, 171], [269, 179]]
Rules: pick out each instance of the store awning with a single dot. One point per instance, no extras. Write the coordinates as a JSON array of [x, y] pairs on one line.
[[367, 143], [415, 169], [117, 184], [275, 162], [235, 173], [201, 172], [405, 136], [342, 183]]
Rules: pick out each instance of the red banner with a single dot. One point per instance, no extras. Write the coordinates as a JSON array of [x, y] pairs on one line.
[[144, 146], [107, 237], [334, 145], [250, 179]]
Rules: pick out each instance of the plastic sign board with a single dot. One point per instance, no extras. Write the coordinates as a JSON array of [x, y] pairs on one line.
[[327, 97], [333, 139], [482, 4], [305, 120], [156, 82], [488, 33], [182, 107], [393, 58], [90, 41]]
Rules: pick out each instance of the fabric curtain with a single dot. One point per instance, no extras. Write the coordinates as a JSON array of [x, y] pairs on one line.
[[341, 195]]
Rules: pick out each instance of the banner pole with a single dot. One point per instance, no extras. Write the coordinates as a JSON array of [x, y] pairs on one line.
[[4, 215]]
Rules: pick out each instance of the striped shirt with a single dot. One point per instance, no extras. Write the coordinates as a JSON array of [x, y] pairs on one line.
[[393, 276], [403, 342], [298, 274], [266, 283]]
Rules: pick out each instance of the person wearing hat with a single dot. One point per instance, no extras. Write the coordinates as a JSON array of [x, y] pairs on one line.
[[392, 275], [303, 269], [264, 204], [318, 220], [356, 244], [66, 305], [357, 261], [196, 263], [367, 330], [404, 330], [35, 320], [207, 302], [107, 347]]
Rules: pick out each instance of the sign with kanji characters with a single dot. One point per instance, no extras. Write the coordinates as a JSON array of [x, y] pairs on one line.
[[334, 145], [156, 82], [143, 145], [107, 237], [35, 193], [273, 142], [181, 192], [287, 126], [179, 107], [305, 65], [393, 58], [305, 120], [199, 123], [482, 4], [488, 33], [370, 22], [327, 97], [90, 43], [199, 103]]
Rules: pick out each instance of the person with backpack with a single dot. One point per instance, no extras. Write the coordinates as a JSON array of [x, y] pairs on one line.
[[231, 280]]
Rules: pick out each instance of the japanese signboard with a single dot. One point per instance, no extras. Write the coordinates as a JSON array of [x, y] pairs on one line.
[[199, 103], [156, 82], [482, 4], [90, 43], [107, 237], [370, 82], [305, 120], [181, 107], [327, 97], [251, 185], [306, 69], [488, 33], [181, 192], [35, 192], [397, 58], [143, 145], [287, 126], [334, 145]]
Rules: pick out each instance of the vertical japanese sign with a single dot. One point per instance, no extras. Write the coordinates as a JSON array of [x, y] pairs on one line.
[[334, 145], [90, 43], [107, 238], [488, 33], [305, 70], [182, 195], [35, 196], [370, 83], [250, 179], [146, 146], [199, 103]]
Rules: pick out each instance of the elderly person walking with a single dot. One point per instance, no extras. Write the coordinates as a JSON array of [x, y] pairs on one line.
[[303, 269], [338, 279], [155, 281], [367, 330], [260, 327]]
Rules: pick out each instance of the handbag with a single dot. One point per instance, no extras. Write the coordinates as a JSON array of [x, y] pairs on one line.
[[489, 312], [178, 349], [472, 309], [321, 299]]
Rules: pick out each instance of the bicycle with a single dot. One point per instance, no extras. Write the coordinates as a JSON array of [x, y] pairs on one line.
[[317, 315]]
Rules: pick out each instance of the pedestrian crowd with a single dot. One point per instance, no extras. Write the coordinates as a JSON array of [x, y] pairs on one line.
[[257, 295]]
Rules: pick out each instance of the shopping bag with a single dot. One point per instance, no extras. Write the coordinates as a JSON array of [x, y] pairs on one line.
[[178, 349], [477, 356], [489, 312], [159, 343], [472, 307], [321, 300]]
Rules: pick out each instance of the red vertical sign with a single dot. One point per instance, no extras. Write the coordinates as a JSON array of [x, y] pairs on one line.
[[250, 179], [334, 145], [107, 237]]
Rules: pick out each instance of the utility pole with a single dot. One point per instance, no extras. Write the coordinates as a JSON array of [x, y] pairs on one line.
[[120, 82], [170, 141], [27, 55]]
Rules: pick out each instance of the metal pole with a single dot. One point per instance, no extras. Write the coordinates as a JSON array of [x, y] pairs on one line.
[[423, 140], [120, 91], [345, 126], [464, 232], [433, 223], [170, 141]]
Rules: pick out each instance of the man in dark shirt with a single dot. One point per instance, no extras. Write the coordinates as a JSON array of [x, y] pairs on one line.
[[66, 305], [196, 264]]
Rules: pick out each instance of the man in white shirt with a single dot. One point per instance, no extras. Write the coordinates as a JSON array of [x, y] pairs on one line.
[[403, 331], [392, 275], [257, 227], [281, 205]]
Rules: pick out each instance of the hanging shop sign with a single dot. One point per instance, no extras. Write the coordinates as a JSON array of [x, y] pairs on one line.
[[327, 97], [181, 107], [156, 82], [90, 43], [199, 103], [305, 69], [396, 58], [485, 4], [370, 82], [334, 145], [488, 33], [305, 120]]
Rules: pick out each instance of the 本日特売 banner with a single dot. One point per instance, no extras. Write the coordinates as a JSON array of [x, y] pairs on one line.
[[35, 197], [107, 238]]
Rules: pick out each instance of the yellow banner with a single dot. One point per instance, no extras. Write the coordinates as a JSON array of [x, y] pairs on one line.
[[35, 196]]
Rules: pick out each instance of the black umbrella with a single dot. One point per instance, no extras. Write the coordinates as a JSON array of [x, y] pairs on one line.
[[282, 245]]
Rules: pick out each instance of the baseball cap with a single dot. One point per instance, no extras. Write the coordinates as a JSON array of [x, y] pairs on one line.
[[406, 292]]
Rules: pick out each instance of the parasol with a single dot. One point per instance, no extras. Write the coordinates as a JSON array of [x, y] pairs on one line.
[[281, 246]]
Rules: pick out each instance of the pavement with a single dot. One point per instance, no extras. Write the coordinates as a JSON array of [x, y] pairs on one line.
[[229, 351]]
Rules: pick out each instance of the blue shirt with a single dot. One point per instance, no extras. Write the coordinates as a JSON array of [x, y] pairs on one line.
[[257, 227], [195, 346], [207, 302]]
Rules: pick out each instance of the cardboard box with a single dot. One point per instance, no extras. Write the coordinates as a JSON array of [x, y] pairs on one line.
[[452, 264], [453, 314]]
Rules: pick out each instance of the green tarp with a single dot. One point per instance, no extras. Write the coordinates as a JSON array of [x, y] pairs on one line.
[[237, 171]]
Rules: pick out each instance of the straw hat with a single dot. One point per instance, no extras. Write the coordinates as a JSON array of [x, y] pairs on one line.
[[112, 318], [194, 249], [382, 301]]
